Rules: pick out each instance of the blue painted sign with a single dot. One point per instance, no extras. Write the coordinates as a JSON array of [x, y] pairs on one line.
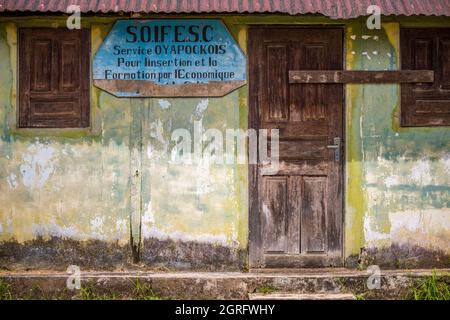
[[195, 57]]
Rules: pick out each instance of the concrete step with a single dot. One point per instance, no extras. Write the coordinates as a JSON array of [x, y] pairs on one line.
[[301, 296], [309, 284]]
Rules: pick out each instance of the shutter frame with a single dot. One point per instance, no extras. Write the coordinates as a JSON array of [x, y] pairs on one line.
[[42, 101], [424, 105]]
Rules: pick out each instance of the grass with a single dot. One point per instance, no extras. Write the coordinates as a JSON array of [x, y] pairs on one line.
[[5, 291], [140, 291], [433, 287], [266, 289], [143, 291], [88, 293], [358, 293], [359, 296]]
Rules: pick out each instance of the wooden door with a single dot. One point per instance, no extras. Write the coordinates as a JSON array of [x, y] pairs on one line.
[[296, 214]]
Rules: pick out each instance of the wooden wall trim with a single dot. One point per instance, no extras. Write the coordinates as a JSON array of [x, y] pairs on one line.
[[355, 76]]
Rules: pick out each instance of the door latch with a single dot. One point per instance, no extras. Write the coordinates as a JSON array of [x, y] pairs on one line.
[[337, 148]]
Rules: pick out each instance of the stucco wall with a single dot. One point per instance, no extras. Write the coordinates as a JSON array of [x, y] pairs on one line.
[[398, 194], [82, 196], [62, 188]]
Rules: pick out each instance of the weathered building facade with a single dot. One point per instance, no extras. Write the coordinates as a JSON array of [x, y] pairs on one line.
[[102, 192]]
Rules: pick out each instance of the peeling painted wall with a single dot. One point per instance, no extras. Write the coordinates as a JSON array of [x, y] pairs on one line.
[[115, 183], [184, 203], [83, 196], [61, 185], [398, 179]]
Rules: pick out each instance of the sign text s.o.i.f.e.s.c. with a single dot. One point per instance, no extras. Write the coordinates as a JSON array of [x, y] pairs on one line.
[[192, 57]]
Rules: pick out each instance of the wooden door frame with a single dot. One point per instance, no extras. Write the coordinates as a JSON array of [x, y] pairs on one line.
[[255, 251]]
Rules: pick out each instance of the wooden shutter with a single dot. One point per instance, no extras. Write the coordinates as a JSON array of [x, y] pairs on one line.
[[426, 104], [54, 78]]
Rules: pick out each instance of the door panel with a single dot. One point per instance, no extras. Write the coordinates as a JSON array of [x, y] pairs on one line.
[[274, 210], [314, 204], [296, 215]]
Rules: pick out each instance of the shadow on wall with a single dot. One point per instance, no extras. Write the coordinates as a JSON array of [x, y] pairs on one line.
[[400, 256], [58, 254]]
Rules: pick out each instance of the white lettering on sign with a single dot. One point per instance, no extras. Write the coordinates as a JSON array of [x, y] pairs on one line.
[[168, 53]]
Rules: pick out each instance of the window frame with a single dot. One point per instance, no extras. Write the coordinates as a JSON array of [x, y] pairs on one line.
[[23, 103], [430, 93]]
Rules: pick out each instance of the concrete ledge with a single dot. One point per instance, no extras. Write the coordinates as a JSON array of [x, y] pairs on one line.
[[302, 296], [395, 284]]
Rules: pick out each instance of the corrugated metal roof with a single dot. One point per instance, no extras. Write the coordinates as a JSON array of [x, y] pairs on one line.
[[331, 8]]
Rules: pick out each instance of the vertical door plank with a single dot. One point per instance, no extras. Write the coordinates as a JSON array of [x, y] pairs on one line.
[[314, 199], [293, 214], [274, 213]]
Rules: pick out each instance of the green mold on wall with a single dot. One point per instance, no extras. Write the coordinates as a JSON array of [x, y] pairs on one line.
[[87, 191], [61, 183], [390, 170], [82, 184]]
